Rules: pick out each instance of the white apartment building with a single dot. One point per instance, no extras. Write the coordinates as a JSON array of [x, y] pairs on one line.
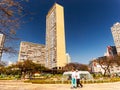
[[32, 51], [2, 39], [115, 29], [68, 58], [96, 68]]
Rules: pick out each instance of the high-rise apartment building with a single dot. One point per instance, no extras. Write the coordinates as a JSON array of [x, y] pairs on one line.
[[116, 36], [55, 38], [32, 51], [2, 39], [68, 58]]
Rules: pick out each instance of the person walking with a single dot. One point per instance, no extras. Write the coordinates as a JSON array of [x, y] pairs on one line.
[[78, 79], [73, 79]]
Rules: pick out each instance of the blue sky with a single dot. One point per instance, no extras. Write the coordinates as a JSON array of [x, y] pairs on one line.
[[87, 26]]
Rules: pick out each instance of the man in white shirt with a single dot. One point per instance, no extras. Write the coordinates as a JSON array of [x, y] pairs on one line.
[[78, 79]]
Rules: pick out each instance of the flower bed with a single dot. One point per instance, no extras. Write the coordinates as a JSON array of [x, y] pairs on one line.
[[68, 81]]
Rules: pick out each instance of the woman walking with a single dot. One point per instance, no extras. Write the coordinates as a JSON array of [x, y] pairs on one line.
[[73, 79]]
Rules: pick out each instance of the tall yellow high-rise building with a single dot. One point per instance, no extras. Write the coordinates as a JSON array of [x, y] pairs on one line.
[[55, 38]]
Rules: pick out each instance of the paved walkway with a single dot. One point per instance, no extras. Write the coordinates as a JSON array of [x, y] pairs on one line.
[[18, 85]]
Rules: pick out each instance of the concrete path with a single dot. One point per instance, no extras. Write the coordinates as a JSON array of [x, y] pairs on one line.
[[18, 85]]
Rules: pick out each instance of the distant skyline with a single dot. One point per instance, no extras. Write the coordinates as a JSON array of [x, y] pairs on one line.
[[87, 26]]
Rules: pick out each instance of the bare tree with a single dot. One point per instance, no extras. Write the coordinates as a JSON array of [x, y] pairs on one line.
[[77, 66], [107, 63], [11, 12], [117, 60], [2, 64]]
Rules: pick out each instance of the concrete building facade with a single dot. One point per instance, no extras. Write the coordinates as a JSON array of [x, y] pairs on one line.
[[111, 51], [55, 38], [68, 58], [2, 39], [32, 51], [115, 29]]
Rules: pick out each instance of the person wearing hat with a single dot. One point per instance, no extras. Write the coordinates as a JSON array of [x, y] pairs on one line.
[[78, 79]]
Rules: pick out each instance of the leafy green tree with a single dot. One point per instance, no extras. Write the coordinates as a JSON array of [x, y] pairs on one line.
[[23, 68], [12, 70], [29, 67], [2, 70]]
